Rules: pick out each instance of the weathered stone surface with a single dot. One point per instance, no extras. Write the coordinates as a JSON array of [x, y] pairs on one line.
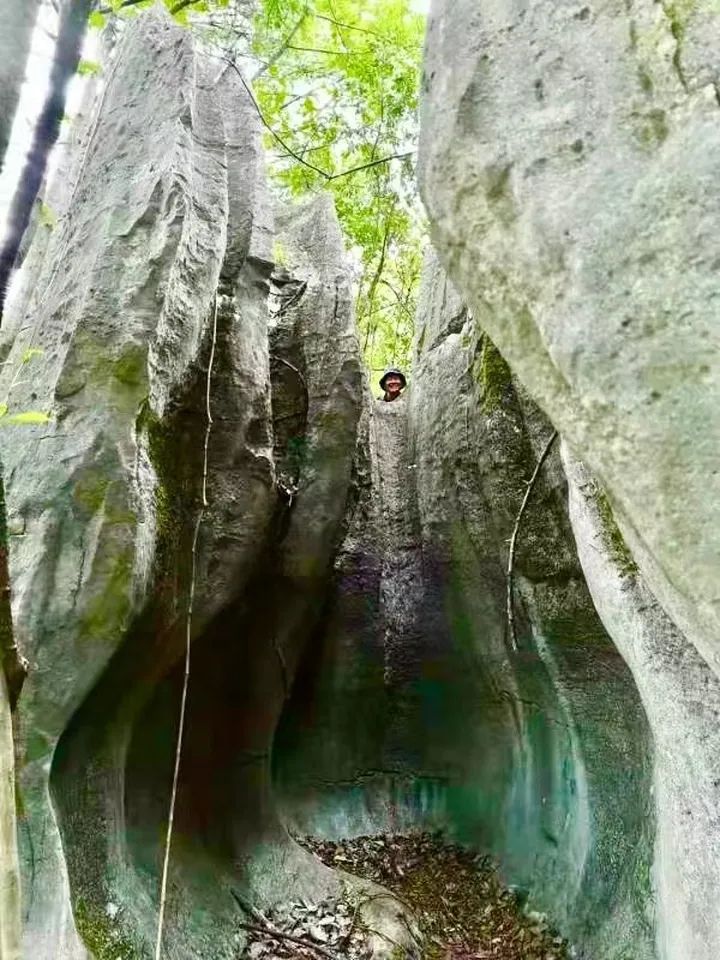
[[18, 20], [10, 922], [351, 669], [115, 339], [10, 930], [149, 313], [353, 755], [569, 160], [681, 696], [552, 744], [416, 712]]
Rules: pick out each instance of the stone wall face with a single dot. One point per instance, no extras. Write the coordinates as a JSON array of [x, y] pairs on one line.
[[416, 711], [568, 161], [681, 696], [145, 378], [567, 158], [555, 756], [186, 416]]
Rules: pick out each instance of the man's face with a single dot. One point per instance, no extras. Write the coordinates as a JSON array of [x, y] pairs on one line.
[[393, 384]]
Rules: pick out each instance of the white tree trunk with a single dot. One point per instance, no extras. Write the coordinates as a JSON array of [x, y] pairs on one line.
[[18, 19]]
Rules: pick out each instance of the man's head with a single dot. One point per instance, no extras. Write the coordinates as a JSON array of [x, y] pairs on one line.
[[392, 382]]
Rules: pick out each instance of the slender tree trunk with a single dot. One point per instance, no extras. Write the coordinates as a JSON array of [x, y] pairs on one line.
[[73, 22], [18, 19]]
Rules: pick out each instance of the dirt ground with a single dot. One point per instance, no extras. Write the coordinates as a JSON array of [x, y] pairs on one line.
[[462, 910]]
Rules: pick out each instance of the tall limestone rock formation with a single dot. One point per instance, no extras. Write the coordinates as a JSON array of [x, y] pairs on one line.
[[18, 21], [568, 162], [181, 423], [416, 711], [187, 419], [555, 743]]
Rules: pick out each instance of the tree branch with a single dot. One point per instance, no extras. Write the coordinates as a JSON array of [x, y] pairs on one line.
[[286, 43], [376, 278], [330, 53], [513, 540], [180, 5], [349, 26], [288, 149], [267, 126], [372, 163], [106, 11], [401, 303]]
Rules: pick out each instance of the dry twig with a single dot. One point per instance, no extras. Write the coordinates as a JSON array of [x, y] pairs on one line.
[[262, 925]]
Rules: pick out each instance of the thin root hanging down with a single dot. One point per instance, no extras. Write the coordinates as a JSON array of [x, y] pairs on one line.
[[513, 540], [188, 638]]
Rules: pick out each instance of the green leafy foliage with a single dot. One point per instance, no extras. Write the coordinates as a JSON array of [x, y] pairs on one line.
[[337, 84], [31, 352], [27, 417], [48, 217], [89, 68], [181, 10]]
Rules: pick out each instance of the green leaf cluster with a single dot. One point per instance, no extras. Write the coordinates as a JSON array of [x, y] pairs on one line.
[[337, 85], [26, 417], [89, 68], [47, 216], [129, 8]]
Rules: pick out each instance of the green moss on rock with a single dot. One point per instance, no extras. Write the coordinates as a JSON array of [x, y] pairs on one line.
[[129, 368], [102, 936], [493, 374], [678, 13], [168, 493], [107, 613], [176, 494], [612, 537], [652, 128], [90, 490], [498, 192], [645, 80]]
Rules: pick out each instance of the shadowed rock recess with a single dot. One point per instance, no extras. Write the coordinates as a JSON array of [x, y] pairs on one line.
[[352, 667]]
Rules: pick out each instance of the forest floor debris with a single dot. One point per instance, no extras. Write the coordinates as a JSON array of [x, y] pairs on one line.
[[462, 910]]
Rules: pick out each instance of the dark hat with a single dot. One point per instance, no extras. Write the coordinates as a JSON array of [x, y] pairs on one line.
[[398, 373]]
